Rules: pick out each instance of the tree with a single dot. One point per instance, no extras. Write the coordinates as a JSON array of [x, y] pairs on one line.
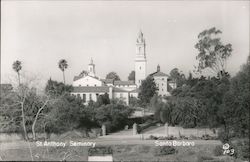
[[177, 77], [113, 75], [9, 110], [213, 54], [114, 116], [54, 88], [63, 65], [102, 100], [17, 66], [234, 111], [133, 101], [132, 76], [83, 73], [147, 90], [66, 113]]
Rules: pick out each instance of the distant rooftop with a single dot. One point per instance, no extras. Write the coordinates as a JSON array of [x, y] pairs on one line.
[[119, 82], [158, 72]]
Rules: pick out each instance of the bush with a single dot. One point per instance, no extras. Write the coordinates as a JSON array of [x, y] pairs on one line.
[[218, 151], [183, 137], [241, 147], [192, 137], [151, 137], [100, 151], [207, 137], [164, 150]]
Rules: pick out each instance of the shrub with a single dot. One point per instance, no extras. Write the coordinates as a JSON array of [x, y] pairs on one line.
[[100, 151], [218, 151], [241, 147], [164, 150], [207, 137], [192, 137], [151, 137], [183, 137]]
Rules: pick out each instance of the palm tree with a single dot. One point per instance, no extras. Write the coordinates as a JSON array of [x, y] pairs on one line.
[[63, 65], [17, 67]]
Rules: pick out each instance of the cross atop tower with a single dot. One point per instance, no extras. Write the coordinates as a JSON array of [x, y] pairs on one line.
[[140, 38], [158, 68]]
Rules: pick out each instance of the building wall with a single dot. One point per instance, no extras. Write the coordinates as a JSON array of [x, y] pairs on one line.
[[161, 83], [88, 96], [126, 87], [140, 72], [135, 94], [124, 96], [87, 81]]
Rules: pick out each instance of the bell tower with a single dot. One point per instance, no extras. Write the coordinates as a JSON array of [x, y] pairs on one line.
[[140, 59], [91, 68]]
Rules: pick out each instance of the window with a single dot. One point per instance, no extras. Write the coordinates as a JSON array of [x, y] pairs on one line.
[[140, 68], [84, 97], [162, 84], [121, 95], [162, 90], [78, 95], [162, 78], [90, 96]]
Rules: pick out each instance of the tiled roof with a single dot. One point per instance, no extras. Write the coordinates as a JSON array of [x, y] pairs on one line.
[[79, 77], [119, 82], [118, 90], [135, 90], [159, 73], [91, 89], [96, 89], [107, 81]]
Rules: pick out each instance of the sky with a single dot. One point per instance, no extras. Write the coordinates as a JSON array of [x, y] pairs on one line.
[[40, 33]]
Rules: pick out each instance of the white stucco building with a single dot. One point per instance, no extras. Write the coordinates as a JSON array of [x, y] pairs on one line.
[[88, 86], [163, 83]]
